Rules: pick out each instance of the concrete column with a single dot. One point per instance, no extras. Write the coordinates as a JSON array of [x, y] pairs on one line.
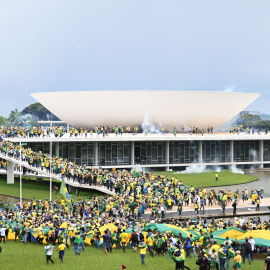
[[68, 128], [200, 152], [167, 154], [70, 188], [96, 154], [261, 153], [231, 151], [56, 149], [132, 153], [10, 172]]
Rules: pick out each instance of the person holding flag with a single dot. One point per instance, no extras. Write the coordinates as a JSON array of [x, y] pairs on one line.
[[177, 258], [150, 242], [64, 192], [222, 256], [136, 173], [49, 251]]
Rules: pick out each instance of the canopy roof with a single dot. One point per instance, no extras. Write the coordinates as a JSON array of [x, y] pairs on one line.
[[168, 109]]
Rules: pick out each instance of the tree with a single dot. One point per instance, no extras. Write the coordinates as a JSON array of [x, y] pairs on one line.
[[16, 118], [2, 120], [252, 120], [39, 112], [31, 122]]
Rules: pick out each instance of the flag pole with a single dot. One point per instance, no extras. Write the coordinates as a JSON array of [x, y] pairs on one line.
[[20, 171], [50, 170]]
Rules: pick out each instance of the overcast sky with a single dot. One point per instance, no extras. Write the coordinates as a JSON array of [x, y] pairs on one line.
[[155, 45]]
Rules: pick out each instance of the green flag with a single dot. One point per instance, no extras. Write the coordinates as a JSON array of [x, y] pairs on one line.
[[136, 173], [64, 192]]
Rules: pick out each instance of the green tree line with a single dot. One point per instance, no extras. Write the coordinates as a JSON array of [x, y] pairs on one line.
[[28, 116], [252, 120]]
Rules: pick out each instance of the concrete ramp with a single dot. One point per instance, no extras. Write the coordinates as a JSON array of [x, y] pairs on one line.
[[44, 174]]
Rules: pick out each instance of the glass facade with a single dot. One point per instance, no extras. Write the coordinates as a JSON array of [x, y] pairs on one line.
[[154, 152], [39, 146], [114, 153], [183, 152], [215, 151], [78, 152], [149, 152], [246, 151], [266, 150]]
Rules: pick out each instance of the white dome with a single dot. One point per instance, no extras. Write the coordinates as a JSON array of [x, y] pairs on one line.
[[130, 108]]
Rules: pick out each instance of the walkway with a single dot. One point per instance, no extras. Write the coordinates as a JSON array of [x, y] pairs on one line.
[[43, 173]]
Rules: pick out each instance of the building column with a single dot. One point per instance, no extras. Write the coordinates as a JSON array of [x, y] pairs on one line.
[[95, 154], [132, 153], [167, 154], [70, 188], [10, 172], [231, 151], [67, 128], [261, 153], [200, 152], [56, 149]]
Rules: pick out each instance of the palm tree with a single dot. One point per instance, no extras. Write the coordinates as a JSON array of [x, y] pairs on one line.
[[31, 122], [15, 118]]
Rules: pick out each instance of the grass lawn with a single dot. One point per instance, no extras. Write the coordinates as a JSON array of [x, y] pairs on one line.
[[208, 179], [32, 256], [39, 190]]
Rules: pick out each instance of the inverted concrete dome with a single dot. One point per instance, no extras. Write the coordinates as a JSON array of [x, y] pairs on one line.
[[130, 108]]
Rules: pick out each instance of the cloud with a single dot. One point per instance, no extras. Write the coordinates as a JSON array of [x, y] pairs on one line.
[[229, 88]]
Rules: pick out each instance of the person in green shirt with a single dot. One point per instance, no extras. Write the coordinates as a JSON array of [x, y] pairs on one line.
[[77, 243]]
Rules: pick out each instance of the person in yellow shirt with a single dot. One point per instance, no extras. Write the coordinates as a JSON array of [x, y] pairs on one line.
[[40, 236], [71, 236], [229, 196], [62, 203], [253, 198], [61, 249], [124, 238], [150, 243], [143, 247], [215, 246], [238, 260], [169, 201], [258, 204]]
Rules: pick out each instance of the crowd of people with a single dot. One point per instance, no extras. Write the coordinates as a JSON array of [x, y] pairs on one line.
[[135, 193], [89, 217], [158, 192], [104, 131]]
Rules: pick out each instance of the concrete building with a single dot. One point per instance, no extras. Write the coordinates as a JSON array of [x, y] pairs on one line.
[[159, 151], [168, 109]]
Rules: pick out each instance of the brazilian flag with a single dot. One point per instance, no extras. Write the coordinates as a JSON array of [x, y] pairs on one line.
[[231, 252], [159, 243], [142, 245], [64, 192], [136, 173], [222, 253], [177, 256]]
